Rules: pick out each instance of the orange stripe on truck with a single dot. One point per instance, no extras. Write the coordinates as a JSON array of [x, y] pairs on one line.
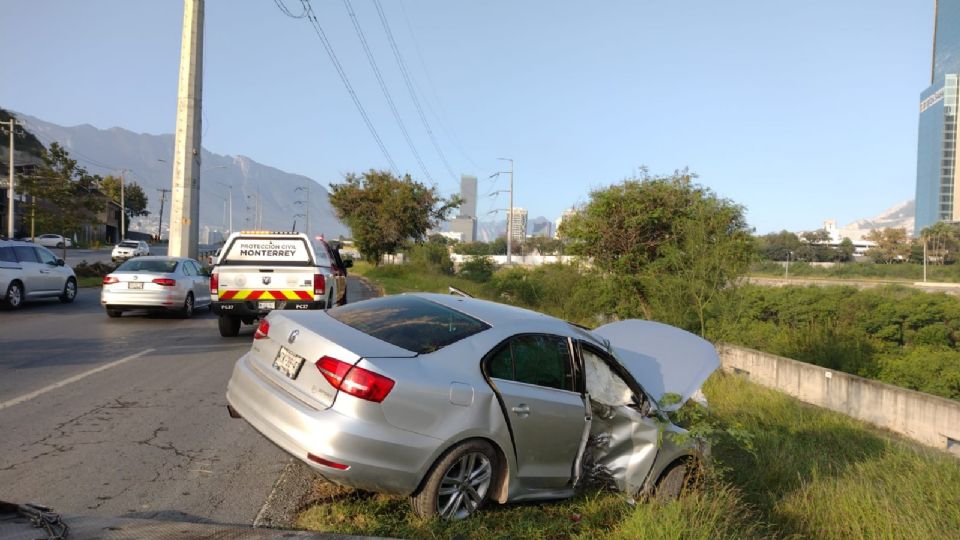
[[255, 294]]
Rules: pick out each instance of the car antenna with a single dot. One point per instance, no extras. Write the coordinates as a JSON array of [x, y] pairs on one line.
[[457, 292]]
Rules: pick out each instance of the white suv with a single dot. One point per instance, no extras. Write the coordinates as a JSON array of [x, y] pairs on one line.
[[129, 248], [31, 272]]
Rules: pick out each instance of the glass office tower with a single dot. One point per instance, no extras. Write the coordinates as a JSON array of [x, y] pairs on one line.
[[937, 138]]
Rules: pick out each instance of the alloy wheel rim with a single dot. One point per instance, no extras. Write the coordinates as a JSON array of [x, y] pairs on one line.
[[464, 486], [188, 305], [15, 296], [71, 289]]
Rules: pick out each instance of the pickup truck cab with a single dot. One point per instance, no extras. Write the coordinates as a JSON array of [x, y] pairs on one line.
[[260, 271]]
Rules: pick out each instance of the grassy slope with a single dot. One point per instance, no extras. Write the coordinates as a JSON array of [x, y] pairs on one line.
[[805, 473]]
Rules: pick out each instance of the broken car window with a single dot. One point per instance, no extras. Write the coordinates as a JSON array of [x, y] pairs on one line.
[[603, 385]]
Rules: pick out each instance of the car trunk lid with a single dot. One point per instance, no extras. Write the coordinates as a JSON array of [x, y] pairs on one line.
[[296, 341], [662, 358]]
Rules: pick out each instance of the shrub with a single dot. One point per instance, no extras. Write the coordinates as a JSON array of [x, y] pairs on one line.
[[478, 268]]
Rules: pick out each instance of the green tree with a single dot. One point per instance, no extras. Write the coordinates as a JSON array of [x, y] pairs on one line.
[[943, 242], [779, 246], [134, 197], [670, 244], [66, 194], [846, 250], [385, 212], [892, 245]]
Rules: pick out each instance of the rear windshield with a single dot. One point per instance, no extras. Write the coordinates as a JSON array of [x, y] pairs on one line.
[[159, 266], [409, 322], [266, 250], [128, 244]]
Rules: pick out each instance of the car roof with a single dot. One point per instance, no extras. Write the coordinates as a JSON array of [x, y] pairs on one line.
[[161, 258], [13, 243]]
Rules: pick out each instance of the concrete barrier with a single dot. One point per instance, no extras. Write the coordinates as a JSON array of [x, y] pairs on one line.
[[930, 420]]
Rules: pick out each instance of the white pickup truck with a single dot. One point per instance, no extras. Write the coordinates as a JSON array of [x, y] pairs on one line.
[[260, 271]]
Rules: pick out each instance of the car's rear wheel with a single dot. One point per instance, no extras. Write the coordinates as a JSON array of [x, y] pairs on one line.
[[229, 326], [187, 310], [59, 245], [459, 483], [114, 313], [69, 291], [14, 296]]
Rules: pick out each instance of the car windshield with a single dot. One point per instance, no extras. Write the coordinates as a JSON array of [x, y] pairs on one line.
[[159, 266], [409, 322], [128, 244]]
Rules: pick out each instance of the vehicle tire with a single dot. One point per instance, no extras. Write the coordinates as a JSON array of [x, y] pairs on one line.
[[187, 310], [344, 301], [672, 483], [69, 291], [229, 326], [59, 245], [329, 303], [459, 483], [14, 297], [114, 313]]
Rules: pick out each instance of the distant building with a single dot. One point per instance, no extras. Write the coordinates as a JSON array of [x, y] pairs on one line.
[[518, 231], [468, 192], [565, 215], [937, 134], [543, 229], [450, 235], [466, 227]]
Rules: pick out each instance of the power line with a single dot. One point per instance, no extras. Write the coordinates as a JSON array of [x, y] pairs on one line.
[[448, 132], [286, 11], [383, 87], [311, 16], [406, 79]]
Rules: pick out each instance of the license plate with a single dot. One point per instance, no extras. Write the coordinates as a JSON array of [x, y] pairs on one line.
[[265, 304], [134, 285], [288, 363]]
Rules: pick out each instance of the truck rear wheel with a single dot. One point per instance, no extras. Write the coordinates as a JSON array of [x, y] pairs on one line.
[[229, 326]]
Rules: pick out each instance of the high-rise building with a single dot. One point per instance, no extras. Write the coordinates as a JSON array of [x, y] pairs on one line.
[[564, 216], [468, 192], [518, 232], [937, 137]]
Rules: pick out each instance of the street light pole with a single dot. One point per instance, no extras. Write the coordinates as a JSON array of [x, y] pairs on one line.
[[123, 209], [230, 201]]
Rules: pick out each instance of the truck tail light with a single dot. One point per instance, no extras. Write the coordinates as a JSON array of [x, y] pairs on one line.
[[263, 330], [165, 282], [214, 284], [319, 284], [356, 381]]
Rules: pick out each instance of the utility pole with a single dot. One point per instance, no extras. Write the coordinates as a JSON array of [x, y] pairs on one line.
[[123, 209], [185, 188], [163, 197], [10, 125], [306, 206], [510, 216]]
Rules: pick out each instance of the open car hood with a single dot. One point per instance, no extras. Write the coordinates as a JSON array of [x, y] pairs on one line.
[[662, 358]]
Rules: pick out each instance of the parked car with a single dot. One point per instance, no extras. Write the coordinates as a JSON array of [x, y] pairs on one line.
[[51, 240], [129, 248], [156, 283], [32, 272], [257, 272], [456, 401]]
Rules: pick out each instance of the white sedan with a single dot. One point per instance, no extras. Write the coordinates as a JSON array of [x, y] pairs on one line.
[[53, 240], [174, 284]]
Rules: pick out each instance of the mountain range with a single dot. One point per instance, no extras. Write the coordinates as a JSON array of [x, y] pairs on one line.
[[225, 180]]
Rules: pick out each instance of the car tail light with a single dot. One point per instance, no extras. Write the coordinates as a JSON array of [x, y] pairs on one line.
[[107, 280], [263, 329], [319, 285], [356, 381], [214, 284], [166, 282], [327, 462]]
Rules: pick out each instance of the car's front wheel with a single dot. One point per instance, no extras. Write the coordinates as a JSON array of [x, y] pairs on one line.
[[672, 483], [69, 291], [459, 483], [14, 296], [229, 326]]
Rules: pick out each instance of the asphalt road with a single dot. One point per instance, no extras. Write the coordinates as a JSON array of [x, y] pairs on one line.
[[127, 417]]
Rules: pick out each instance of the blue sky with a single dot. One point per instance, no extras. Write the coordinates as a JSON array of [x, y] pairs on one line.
[[800, 111]]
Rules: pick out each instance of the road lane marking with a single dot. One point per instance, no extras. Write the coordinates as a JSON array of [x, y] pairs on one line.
[[75, 378]]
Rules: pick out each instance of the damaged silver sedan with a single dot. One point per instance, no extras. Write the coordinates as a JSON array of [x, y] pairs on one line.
[[456, 401]]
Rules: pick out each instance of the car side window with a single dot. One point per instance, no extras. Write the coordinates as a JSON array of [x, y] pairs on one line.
[[6, 255], [323, 256], [540, 359], [25, 254], [188, 269], [603, 385], [46, 257]]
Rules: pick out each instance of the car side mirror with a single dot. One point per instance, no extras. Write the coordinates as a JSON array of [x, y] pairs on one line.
[[348, 263], [60, 262]]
